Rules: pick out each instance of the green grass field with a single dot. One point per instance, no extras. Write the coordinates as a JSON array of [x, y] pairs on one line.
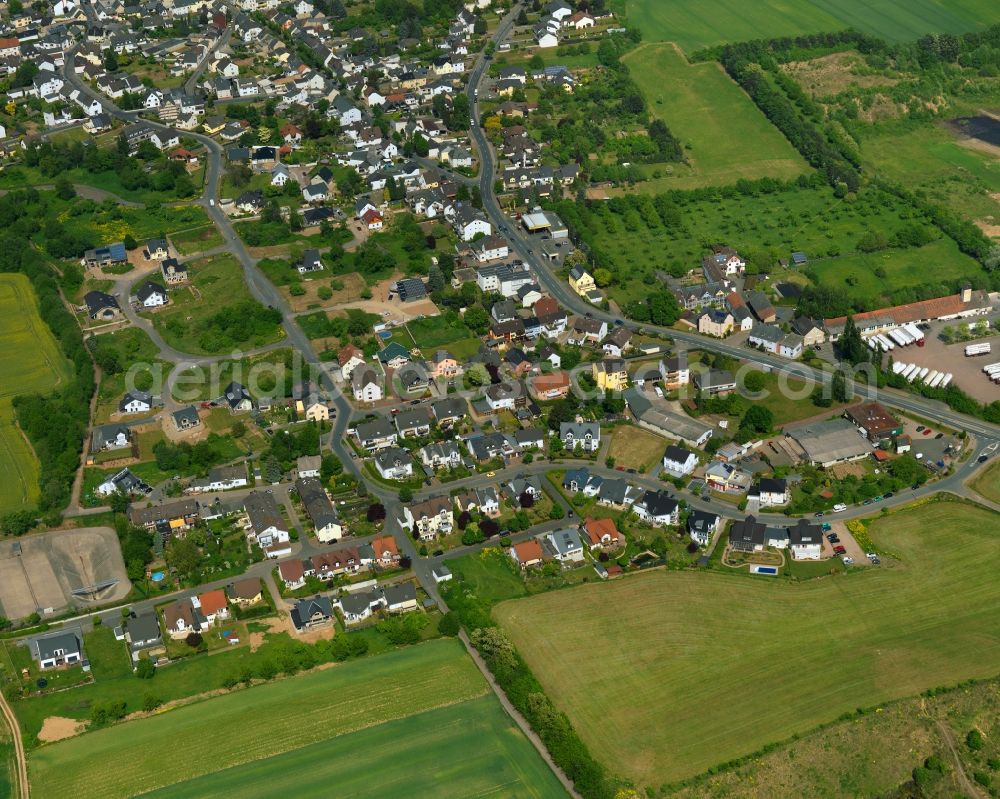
[[635, 448], [987, 482], [463, 750], [674, 672], [702, 23], [261, 722], [30, 361], [215, 283], [928, 157], [196, 240], [855, 275], [728, 136]]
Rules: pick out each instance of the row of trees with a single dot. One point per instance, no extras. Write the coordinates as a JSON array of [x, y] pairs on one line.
[[56, 421]]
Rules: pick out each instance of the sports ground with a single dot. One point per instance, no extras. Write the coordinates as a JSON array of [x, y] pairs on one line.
[[420, 714], [30, 361], [675, 672]]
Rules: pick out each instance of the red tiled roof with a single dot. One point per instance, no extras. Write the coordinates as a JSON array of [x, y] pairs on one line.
[[914, 311], [528, 551], [213, 601], [291, 570]]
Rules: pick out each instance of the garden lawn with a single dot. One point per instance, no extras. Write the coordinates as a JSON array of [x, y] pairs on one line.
[[133, 348], [635, 448], [783, 657], [169, 748], [701, 105], [214, 284], [486, 578], [30, 361], [440, 332], [463, 750], [710, 22]]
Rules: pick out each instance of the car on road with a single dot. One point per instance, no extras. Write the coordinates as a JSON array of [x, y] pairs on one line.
[[878, 498], [982, 459], [888, 495], [840, 506], [867, 502], [939, 435], [569, 513], [818, 515], [630, 471], [619, 322], [491, 474]]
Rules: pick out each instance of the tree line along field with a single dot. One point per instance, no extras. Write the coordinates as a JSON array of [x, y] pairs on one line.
[[726, 136], [636, 236], [695, 25], [467, 749], [30, 361], [674, 672], [240, 727]]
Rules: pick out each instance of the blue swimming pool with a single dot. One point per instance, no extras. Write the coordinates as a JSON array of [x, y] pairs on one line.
[[385, 335], [769, 570], [157, 576]]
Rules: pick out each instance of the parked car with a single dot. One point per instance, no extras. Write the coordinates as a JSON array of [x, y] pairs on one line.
[[818, 515], [920, 428], [939, 435], [982, 459], [867, 502], [840, 506], [848, 561], [928, 431], [888, 495], [826, 528], [840, 550], [833, 538]]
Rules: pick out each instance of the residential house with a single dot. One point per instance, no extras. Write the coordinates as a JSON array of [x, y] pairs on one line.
[[182, 618], [386, 551], [319, 509], [715, 322], [376, 435], [110, 436], [611, 374], [581, 281], [394, 355], [715, 382], [449, 411], [238, 398], [265, 524], [657, 507], [151, 295], [413, 423], [186, 418], [429, 518], [400, 597], [135, 402], [58, 649], [394, 463], [349, 358], [365, 384], [246, 592], [214, 605], [101, 306], [773, 491], [444, 366], [580, 435], [805, 540], [527, 554], [220, 478], [441, 455], [311, 613], [679, 461], [702, 525], [602, 534], [563, 545], [292, 573]]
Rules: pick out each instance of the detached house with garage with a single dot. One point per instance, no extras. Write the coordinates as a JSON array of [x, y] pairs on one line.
[[394, 464], [805, 540], [678, 461], [265, 525], [702, 525], [60, 649]]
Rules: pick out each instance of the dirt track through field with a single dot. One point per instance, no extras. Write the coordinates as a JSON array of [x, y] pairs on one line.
[[21, 762]]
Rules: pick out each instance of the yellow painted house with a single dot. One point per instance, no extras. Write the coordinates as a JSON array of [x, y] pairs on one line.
[[610, 374], [581, 281]]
